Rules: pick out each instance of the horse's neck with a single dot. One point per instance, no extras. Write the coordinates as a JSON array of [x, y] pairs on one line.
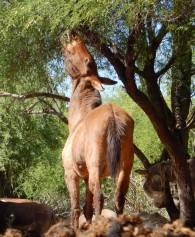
[[84, 99]]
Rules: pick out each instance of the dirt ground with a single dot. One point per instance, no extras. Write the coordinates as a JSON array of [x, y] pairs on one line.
[[123, 226]]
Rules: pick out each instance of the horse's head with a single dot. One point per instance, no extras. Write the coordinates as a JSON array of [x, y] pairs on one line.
[[79, 63], [155, 182]]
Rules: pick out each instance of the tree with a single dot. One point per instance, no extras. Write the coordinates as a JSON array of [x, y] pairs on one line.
[[141, 40], [26, 142]]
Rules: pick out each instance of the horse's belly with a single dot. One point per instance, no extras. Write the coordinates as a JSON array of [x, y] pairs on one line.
[[74, 152], [67, 154], [71, 162], [78, 158]]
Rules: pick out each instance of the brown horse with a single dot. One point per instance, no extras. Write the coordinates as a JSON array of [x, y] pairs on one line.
[[156, 177], [26, 215], [100, 141]]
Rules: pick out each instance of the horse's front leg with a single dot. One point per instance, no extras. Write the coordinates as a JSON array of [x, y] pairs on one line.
[[72, 181], [88, 207]]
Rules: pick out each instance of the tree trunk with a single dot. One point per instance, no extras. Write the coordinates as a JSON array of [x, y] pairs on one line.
[[180, 90], [180, 95], [170, 205], [173, 146], [184, 183]]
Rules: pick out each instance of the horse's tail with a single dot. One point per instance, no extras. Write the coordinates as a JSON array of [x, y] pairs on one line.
[[116, 130]]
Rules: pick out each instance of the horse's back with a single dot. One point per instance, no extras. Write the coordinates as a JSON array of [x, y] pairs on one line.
[[16, 200], [102, 115]]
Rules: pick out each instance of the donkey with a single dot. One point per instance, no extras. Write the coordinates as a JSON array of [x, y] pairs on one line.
[[156, 177], [100, 141], [26, 215]]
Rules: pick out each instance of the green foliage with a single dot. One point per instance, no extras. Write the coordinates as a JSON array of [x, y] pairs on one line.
[[27, 143], [44, 182], [31, 29]]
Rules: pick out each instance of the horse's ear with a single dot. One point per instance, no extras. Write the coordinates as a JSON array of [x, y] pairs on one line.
[[142, 172], [97, 86], [107, 81], [95, 82]]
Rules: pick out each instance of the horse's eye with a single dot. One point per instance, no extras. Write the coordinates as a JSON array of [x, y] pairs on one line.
[[156, 182], [86, 61]]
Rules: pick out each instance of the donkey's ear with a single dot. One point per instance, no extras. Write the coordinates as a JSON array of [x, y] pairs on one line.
[[95, 82], [107, 81], [97, 85], [142, 172]]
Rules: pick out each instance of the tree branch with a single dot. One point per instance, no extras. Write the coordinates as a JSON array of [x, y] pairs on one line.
[[130, 57], [45, 111], [95, 39], [164, 156], [190, 123], [142, 157], [140, 72], [154, 43], [161, 34], [150, 31], [166, 67], [34, 95], [192, 71]]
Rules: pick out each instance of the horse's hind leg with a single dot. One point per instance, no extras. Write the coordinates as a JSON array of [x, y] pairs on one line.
[[123, 178], [88, 207], [72, 181], [120, 192], [95, 188]]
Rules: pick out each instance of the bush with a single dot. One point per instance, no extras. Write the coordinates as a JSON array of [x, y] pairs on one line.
[[44, 182]]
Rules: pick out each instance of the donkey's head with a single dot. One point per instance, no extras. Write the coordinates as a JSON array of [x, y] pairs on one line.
[[155, 183], [79, 63]]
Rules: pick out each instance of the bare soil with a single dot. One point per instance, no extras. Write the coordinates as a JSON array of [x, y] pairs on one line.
[[124, 226]]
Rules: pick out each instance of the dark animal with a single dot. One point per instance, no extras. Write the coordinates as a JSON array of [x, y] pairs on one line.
[[26, 215], [100, 141], [157, 176]]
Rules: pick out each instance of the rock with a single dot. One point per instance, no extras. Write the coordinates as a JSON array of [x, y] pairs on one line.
[[105, 212]]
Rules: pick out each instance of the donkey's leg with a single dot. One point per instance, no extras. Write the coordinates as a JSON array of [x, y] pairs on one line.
[[127, 156], [121, 191], [88, 207], [72, 181], [95, 188]]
